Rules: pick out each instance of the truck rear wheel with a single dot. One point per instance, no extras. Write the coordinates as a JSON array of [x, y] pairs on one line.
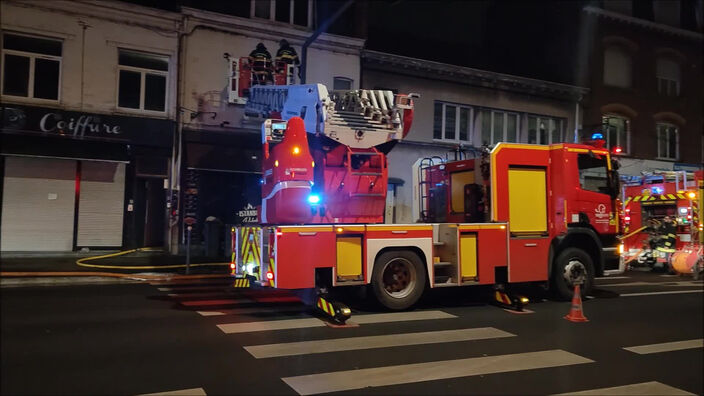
[[398, 279], [572, 266]]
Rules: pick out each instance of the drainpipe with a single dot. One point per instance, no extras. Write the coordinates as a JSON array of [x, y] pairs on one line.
[[322, 28]]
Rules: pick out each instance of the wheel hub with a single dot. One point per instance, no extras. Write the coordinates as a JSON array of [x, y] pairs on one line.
[[575, 272], [398, 278]]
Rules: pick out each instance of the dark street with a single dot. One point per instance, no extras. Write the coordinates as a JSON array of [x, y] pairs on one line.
[[203, 337]]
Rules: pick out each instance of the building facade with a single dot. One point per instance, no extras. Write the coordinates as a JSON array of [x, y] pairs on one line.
[[465, 108], [644, 71], [88, 109], [220, 156]]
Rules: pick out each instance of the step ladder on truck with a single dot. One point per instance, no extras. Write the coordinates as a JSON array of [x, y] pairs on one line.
[[522, 213]]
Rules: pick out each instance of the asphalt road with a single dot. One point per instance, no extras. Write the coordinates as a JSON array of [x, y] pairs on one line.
[[204, 337]]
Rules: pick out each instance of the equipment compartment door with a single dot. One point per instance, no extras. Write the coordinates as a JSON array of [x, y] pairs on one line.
[[468, 256], [527, 201], [349, 258]]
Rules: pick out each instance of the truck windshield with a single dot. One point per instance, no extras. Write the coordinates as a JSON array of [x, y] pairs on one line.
[[593, 175]]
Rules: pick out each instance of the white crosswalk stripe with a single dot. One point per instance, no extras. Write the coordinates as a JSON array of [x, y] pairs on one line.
[[270, 325], [372, 342], [644, 388], [666, 346], [410, 373], [184, 392]]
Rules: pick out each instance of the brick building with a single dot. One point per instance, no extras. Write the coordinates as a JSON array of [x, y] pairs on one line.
[[645, 75]]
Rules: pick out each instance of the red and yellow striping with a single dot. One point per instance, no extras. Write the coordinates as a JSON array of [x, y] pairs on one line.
[[648, 197], [326, 306]]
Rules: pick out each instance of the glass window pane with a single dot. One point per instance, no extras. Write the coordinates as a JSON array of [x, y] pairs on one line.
[[130, 83], [262, 8], [154, 92], [542, 131], [661, 140], [283, 11], [15, 75], [31, 44], [46, 79], [486, 127], [498, 127], [341, 83], [555, 132], [464, 123], [532, 130], [450, 117], [300, 12], [623, 128], [143, 60], [672, 152], [437, 121], [512, 128]]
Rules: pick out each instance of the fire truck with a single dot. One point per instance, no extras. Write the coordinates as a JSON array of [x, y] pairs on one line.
[[519, 213], [650, 198]]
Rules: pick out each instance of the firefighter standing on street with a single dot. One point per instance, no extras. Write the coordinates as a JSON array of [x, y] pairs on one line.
[[261, 64]]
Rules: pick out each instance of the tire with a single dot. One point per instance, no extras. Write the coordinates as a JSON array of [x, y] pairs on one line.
[[398, 279], [575, 264]]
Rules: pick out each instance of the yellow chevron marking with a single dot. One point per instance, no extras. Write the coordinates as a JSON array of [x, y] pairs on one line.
[[636, 198], [671, 196], [680, 196], [663, 197], [627, 201]]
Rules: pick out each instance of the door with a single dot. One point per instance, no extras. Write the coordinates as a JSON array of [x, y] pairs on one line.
[[154, 211], [38, 204]]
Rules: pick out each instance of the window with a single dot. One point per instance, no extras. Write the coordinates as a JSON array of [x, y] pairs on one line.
[[668, 76], [667, 141], [616, 131], [31, 67], [142, 81], [498, 126], [545, 130], [451, 122], [295, 12], [617, 67], [592, 173], [342, 83]]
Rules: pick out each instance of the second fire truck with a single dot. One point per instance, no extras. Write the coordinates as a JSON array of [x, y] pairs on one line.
[[520, 213]]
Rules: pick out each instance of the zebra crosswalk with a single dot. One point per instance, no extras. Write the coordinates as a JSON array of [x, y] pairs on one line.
[[273, 328]]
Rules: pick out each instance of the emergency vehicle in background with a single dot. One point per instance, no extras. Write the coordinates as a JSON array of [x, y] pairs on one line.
[[647, 201], [519, 213]]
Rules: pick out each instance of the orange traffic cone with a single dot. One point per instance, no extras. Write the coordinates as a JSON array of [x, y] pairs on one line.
[[576, 314]]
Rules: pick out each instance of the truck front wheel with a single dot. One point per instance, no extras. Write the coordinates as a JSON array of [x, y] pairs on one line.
[[572, 266], [398, 279]]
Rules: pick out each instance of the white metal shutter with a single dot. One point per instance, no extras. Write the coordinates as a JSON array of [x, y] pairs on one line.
[[38, 204], [100, 207]]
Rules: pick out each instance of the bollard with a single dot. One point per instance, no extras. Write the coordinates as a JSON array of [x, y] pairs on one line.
[[188, 250]]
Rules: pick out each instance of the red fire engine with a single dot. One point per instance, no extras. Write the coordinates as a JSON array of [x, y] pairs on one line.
[[651, 198], [520, 213]]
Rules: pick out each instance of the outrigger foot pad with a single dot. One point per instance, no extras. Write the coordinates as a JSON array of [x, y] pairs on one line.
[[337, 311]]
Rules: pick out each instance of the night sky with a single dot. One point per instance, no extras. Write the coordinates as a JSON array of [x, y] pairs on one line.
[[527, 38]]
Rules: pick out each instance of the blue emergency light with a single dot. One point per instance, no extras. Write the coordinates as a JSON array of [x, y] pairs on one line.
[[597, 136], [313, 199]]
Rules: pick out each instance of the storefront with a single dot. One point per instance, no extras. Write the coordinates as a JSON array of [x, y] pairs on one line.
[[73, 180], [220, 183]]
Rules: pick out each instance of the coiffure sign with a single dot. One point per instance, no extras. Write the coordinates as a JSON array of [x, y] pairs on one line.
[[85, 126]]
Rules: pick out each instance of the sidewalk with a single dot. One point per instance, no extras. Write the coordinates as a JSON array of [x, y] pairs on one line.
[[33, 264]]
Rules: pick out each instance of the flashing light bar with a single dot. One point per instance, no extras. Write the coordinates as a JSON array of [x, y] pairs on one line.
[[617, 150], [269, 275], [597, 136]]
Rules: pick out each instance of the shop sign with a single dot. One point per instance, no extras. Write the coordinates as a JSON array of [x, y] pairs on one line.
[[85, 126], [247, 215]]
